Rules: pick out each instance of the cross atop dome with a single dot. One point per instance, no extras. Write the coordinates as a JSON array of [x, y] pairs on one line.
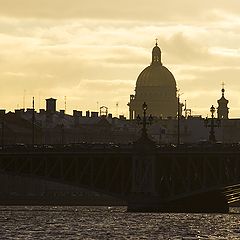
[[156, 41]]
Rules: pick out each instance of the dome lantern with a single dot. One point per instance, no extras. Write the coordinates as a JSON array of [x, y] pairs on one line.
[[156, 55]]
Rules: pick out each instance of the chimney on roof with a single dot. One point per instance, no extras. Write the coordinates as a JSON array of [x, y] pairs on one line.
[[121, 117], [19, 111], [29, 110], [41, 111], [51, 105], [62, 113], [76, 116], [94, 114], [2, 112]]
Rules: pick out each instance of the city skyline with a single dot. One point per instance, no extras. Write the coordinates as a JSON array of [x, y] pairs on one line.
[[92, 53]]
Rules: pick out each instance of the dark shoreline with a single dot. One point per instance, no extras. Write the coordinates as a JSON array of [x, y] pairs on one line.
[[63, 201]]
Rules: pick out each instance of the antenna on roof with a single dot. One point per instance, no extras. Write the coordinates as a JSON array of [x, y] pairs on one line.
[[24, 98], [39, 100], [33, 120], [117, 105], [97, 105], [65, 103]]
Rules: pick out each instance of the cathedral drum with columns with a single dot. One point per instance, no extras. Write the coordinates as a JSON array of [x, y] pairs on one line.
[[156, 86]]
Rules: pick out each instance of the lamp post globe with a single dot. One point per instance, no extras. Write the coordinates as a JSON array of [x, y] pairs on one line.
[[212, 110], [144, 106]]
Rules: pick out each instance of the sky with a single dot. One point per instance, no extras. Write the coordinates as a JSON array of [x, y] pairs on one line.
[[93, 51]]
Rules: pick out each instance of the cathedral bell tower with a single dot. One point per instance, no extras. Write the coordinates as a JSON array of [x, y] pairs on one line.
[[222, 110]]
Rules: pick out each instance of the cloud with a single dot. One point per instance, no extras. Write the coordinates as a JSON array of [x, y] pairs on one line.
[[148, 10], [90, 51]]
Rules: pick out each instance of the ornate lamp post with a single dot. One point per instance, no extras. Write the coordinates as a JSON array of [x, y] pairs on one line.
[[33, 122], [145, 120], [212, 123], [179, 115]]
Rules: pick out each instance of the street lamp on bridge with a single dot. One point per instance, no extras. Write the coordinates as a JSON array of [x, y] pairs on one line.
[[212, 123], [145, 120]]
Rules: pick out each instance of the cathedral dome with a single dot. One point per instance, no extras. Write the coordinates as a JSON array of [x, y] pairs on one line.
[[156, 75], [155, 86]]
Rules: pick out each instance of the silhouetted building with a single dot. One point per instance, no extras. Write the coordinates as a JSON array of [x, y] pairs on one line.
[[222, 110], [16, 129], [157, 87], [51, 105]]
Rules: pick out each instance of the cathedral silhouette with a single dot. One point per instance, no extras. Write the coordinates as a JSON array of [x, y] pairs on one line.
[[156, 86]]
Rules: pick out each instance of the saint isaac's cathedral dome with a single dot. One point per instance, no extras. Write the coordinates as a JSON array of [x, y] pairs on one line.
[[156, 86]]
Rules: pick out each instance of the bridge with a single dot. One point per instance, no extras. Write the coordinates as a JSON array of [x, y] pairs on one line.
[[148, 177]]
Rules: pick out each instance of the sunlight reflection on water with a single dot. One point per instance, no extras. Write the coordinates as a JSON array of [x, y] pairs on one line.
[[21, 222]]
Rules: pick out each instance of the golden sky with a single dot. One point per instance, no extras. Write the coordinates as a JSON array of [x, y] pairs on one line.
[[93, 51]]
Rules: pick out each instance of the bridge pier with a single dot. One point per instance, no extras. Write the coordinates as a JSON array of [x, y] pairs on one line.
[[209, 202], [203, 203], [144, 196]]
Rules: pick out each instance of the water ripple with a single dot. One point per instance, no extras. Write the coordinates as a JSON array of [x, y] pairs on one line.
[[113, 223]]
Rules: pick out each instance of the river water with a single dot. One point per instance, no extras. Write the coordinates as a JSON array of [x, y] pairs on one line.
[[20, 222]]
